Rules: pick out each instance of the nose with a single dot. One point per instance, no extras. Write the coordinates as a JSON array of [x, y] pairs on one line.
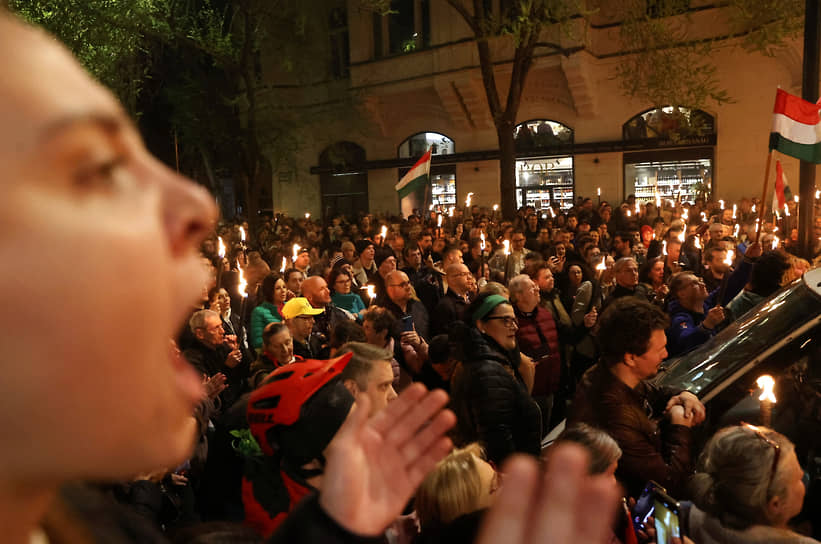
[[189, 212]]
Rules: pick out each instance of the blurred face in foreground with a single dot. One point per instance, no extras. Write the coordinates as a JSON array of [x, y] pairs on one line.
[[110, 396]]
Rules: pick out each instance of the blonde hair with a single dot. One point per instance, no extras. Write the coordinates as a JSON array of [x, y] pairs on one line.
[[452, 489], [496, 288], [734, 480]]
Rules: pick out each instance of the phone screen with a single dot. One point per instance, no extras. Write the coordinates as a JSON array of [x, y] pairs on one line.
[[407, 323], [667, 522]]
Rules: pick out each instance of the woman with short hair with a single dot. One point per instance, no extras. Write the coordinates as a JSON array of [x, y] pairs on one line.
[[747, 488]]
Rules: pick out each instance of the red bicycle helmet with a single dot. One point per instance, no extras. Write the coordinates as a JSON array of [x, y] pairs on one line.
[[277, 409]]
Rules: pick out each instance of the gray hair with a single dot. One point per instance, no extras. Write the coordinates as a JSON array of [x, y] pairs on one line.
[[732, 482], [198, 320], [621, 263], [362, 361], [603, 449], [518, 284]]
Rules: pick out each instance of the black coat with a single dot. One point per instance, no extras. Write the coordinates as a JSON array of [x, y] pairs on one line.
[[450, 308], [491, 403], [211, 361]]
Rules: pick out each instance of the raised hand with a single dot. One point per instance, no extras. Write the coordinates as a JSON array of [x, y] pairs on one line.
[[562, 506], [375, 465]]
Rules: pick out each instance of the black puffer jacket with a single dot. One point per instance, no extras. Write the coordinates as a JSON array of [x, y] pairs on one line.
[[491, 403]]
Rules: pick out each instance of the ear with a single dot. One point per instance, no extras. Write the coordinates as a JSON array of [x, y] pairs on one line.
[[351, 386], [630, 360]]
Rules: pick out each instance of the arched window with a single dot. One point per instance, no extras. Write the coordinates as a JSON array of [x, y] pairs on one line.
[[670, 123], [542, 181], [676, 160], [442, 191], [344, 183], [540, 134]]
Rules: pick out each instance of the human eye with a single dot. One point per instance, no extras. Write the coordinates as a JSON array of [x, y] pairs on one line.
[[107, 175]]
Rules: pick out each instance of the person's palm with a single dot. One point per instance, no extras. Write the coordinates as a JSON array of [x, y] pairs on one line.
[[374, 466]]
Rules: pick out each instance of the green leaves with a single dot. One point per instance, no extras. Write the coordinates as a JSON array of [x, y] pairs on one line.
[[245, 444]]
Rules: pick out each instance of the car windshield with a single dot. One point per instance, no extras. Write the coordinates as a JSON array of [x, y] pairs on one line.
[[763, 326]]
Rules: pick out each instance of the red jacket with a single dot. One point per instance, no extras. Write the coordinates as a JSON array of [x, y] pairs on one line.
[[539, 339]]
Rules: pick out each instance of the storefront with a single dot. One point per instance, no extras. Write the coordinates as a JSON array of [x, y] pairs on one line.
[[442, 190], [677, 157], [542, 181]]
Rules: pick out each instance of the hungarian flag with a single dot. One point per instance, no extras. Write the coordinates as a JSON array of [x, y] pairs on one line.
[[782, 189], [416, 178], [796, 128]]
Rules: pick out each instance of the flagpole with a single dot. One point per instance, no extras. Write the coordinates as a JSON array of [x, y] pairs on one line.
[[763, 205]]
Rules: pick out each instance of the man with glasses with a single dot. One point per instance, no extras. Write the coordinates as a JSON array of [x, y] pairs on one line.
[[299, 317], [510, 265], [214, 352], [402, 304], [652, 425]]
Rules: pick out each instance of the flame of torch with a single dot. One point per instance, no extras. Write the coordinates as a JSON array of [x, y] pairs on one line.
[[495, 207], [736, 230], [598, 191], [775, 242], [307, 215], [242, 234], [730, 256], [766, 383], [221, 247], [734, 210], [468, 199], [438, 220], [753, 208], [601, 266], [243, 284], [664, 247], [482, 237], [721, 203], [703, 217], [796, 199], [506, 243], [786, 210], [552, 212], [384, 231], [681, 236], [698, 243], [284, 265], [430, 208], [685, 214], [296, 252], [371, 291], [638, 207], [628, 213], [450, 211], [817, 195], [658, 200]]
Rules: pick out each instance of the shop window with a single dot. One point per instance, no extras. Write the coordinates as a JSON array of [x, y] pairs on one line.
[[544, 181], [673, 123], [441, 193], [344, 183], [684, 175]]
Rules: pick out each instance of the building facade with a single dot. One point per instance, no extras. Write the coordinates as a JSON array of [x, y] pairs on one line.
[[413, 81]]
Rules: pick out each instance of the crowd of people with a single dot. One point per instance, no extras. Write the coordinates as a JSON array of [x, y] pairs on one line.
[[358, 379]]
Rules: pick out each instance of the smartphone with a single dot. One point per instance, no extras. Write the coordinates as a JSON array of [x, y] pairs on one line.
[[407, 323], [666, 515], [645, 505]]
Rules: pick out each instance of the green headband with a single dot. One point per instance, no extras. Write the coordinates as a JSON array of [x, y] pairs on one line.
[[487, 306]]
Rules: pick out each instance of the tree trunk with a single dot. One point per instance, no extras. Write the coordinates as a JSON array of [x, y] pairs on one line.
[[507, 168]]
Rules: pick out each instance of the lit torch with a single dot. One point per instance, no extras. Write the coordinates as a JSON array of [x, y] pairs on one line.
[[817, 194], [383, 233], [468, 199], [736, 230], [681, 236], [284, 264], [307, 215], [734, 211], [664, 247], [767, 398], [220, 266], [703, 217], [601, 265], [506, 243], [658, 200], [721, 203], [371, 293], [482, 237], [796, 199], [730, 256], [450, 211], [775, 242], [786, 210], [242, 288], [296, 252], [698, 243]]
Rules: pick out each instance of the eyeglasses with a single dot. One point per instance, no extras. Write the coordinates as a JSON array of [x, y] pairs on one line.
[[776, 450], [510, 322], [343, 280], [403, 284]]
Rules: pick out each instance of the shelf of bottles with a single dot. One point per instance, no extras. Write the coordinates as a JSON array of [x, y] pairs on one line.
[[543, 182], [443, 189], [668, 180]]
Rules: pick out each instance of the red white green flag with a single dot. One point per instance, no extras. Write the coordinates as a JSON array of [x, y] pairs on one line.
[[796, 128], [782, 189], [416, 178]]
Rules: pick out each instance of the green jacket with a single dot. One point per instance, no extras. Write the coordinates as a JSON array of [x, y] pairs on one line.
[[262, 315]]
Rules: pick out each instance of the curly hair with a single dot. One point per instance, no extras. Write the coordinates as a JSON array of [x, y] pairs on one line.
[[625, 327]]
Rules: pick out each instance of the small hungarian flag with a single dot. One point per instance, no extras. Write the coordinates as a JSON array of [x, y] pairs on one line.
[[416, 178], [782, 189], [796, 128]]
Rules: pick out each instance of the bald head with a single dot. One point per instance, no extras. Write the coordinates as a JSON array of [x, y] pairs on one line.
[[457, 276], [398, 287], [315, 289]]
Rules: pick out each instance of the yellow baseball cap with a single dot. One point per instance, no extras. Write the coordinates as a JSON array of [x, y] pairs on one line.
[[299, 306]]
